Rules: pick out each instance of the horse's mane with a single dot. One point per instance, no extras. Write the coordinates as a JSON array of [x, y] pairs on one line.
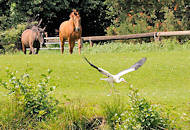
[[35, 29], [74, 13]]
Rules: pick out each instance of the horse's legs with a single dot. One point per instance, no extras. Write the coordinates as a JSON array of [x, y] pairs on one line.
[[71, 46], [37, 50], [79, 45], [62, 46], [24, 49], [31, 49], [30, 52]]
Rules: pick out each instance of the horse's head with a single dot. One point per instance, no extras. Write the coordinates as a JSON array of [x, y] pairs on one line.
[[40, 34], [76, 20]]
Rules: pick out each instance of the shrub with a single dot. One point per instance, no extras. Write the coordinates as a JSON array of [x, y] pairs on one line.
[[32, 101], [12, 36], [141, 114]]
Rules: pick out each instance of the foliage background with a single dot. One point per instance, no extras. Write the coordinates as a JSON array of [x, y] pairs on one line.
[[99, 17]]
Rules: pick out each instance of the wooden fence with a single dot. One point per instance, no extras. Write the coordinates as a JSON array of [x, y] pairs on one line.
[[155, 35]]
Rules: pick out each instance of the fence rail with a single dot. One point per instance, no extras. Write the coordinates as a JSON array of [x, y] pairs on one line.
[[134, 36], [155, 35]]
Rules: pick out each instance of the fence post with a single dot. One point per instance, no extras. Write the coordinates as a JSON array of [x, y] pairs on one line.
[[156, 37], [91, 43]]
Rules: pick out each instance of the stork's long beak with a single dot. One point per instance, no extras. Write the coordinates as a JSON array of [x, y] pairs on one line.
[[124, 81]]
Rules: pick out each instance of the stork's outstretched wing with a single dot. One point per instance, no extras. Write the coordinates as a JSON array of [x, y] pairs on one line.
[[133, 67], [106, 73]]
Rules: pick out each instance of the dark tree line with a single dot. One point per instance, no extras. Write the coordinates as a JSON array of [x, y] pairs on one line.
[[54, 12], [99, 17]]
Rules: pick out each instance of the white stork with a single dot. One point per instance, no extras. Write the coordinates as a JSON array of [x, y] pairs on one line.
[[116, 78]]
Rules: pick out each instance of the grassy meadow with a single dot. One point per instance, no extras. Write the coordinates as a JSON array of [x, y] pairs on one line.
[[163, 80]]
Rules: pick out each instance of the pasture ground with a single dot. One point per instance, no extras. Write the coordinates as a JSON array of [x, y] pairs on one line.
[[164, 79]]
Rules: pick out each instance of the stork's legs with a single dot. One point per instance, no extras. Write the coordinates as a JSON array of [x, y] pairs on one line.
[[112, 87], [113, 90]]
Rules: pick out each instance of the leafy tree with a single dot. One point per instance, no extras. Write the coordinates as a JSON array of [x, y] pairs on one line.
[[137, 16], [57, 11]]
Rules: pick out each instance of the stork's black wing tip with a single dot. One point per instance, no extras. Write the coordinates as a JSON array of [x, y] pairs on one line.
[[85, 59], [144, 59], [139, 63], [90, 63]]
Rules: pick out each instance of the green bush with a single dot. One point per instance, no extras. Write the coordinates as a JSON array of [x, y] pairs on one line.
[[31, 101], [12, 36], [141, 114]]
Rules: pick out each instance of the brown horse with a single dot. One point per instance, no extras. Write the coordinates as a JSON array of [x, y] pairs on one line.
[[71, 30], [32, 38]]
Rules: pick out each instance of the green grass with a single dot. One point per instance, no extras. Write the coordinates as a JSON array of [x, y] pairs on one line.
[[163, 79]]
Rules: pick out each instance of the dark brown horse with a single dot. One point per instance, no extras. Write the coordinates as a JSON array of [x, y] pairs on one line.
[[32, 38], [71, 30]]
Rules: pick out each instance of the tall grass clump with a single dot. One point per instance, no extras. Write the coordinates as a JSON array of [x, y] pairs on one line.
[[77, 116], [113, 110], [141, 114], [31, 101], [74, 115]]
